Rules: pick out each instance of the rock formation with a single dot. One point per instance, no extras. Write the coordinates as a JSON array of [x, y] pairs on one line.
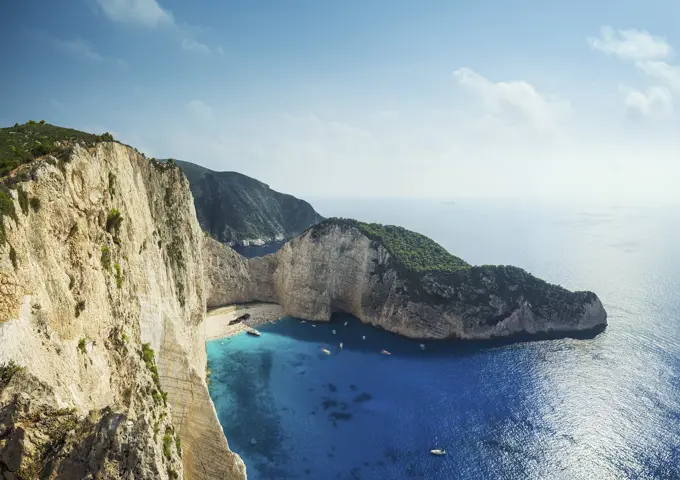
[[102, 304], [345, 265], [240, 211]]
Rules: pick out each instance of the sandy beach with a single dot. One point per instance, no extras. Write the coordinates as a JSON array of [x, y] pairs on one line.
[[217, 321]]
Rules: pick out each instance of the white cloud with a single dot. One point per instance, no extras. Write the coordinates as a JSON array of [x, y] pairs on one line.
[[512, 102], [630, 44], [200, 110], [143, 12], [191, 45], [78, 47], [656, 102], [669, 74]]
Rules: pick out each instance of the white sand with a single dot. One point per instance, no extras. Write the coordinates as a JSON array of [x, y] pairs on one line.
[[217, 321]]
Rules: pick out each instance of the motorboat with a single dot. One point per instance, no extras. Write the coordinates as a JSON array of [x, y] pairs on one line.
[[326, 351], [340, 344], [438, 451], [253, 332], [333, 332], [385, 352]]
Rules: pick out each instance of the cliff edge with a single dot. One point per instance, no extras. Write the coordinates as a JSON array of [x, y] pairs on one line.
[[406, 283], [102, 310]]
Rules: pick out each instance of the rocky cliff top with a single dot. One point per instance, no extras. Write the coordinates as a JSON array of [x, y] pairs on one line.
[[237, 209]]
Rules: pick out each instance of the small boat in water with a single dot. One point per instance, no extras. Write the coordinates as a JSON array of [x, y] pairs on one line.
[[422, 346], [326, 351], [364, 337], [341, 345], [385, 352], [345, 323], [438, 451], [253, 332], [333, 332]]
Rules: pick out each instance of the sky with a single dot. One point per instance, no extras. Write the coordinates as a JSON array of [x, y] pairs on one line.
[[533, 99]]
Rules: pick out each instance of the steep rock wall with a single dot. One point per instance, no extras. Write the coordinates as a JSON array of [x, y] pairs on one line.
[[80, 293], [342, 269]]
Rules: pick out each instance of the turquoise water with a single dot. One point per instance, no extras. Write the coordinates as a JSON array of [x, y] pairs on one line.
[[607, 407]]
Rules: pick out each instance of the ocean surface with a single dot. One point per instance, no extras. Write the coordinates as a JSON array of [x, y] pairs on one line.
[[600, 408]]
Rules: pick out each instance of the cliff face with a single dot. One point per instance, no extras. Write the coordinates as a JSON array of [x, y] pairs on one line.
[[239, 210], [102, 309], [338, 267]]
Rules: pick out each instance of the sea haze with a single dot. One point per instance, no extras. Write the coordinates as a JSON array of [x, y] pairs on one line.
[[607, 407]]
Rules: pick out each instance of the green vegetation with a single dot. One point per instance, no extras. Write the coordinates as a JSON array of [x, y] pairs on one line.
[[113, 221], [82, 346], [6, 209], [34, 202], [167, 442], [106, 137], [118, 275], [414, 251], [112, 184], [7, 371], [21, 144], [178, 446], [148, 356], [106, 258], [80, 306]]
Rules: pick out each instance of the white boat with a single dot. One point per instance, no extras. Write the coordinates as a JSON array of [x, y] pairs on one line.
[[333, 332], [326, 351], [345, 323], [303, 321], [422, 346], [314, 326], [364, 337], [340, 344], [385, 352], [253, 332], [438, 451]]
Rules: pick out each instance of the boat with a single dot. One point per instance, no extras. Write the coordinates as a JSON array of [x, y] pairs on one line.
[[303, 321], [364, 337], [438, 451], [333, 332], [422, 346], [314, 326], [340, 344], [253, 332], [326, 351], [385, 352], [345, 323]]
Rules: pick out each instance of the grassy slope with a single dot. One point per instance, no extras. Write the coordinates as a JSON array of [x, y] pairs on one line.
[[23, 143]]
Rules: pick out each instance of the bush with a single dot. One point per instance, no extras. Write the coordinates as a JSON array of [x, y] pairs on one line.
[[106, 137], [167, 442], [7, 371], [35, 203], [113, 221], [42, 122], [31, 122], [106, 258], [82, 346], [119, 276]]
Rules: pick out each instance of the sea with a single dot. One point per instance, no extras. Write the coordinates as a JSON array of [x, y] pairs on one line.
[[606, 407]]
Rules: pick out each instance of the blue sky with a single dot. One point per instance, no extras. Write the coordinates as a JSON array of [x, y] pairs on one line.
[[532, 99]]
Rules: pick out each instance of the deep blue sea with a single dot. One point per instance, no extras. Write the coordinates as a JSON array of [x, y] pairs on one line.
[[600, 408]]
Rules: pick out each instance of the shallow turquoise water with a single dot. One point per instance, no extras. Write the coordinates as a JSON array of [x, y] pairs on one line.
[[607, 407]]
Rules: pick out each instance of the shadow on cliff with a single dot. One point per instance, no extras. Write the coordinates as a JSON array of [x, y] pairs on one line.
[[357, 336]]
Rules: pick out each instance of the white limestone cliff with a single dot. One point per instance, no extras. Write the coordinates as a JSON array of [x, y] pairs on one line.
[[79, 295]]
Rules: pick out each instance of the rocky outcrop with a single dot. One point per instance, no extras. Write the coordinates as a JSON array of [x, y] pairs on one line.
[[337, 267], [240, 211], [102, 309]]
